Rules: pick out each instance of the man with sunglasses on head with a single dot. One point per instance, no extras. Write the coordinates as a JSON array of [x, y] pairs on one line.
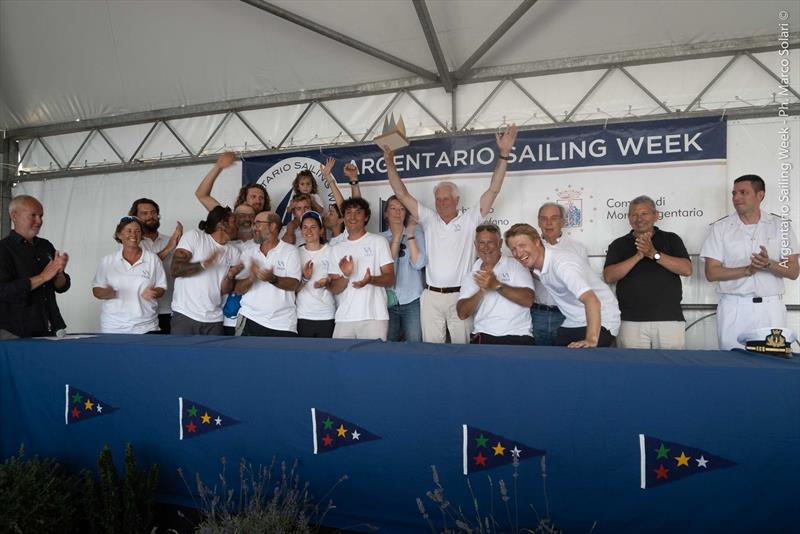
[[149, 214], [407, 243]]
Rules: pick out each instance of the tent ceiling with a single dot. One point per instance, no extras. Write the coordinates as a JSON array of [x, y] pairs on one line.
[[62, 60]]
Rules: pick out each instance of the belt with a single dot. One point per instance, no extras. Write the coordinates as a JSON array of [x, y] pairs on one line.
[[545, 308], [443, 289]]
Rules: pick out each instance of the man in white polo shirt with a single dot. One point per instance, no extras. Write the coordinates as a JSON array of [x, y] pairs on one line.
[[749, 253], [498, 292], [591, 312], [271, 274], [362, 267], [204, 267], [448, 240]]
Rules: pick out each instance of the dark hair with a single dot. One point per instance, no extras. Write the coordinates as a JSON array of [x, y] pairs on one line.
[[135, 206], [125, 221], [215, 216], [755, 180], [300, 197], [386, 207], [317, 217], [305, 173], [242, 198], [358, 203]]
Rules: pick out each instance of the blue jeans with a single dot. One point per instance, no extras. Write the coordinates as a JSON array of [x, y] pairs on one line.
[[404, 324], [545, 324]]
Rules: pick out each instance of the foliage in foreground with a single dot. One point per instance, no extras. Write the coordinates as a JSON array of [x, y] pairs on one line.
[[114, 505], [474, 520], [37, 495], [263, 503]]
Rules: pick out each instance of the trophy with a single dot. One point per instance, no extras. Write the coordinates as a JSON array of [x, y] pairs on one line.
[[394, 134]]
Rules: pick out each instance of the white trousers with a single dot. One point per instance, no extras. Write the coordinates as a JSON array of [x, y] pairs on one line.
[[737, 315], [437, 313], [361, 330], [669, 335]]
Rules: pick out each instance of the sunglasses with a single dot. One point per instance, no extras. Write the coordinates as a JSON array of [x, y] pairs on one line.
[[402, 250], [129, 218]]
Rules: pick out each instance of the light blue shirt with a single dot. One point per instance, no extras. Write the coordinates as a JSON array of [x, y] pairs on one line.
[[408, 284]]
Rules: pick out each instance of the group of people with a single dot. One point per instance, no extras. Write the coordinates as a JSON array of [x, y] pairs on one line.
[[319, 273]]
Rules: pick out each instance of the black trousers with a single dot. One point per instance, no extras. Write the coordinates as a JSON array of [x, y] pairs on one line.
[[480, 338], [310, 328], [252, 328], [565, 336]]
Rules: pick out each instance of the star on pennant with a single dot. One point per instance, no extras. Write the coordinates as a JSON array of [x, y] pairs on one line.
[[480, 459], [99, 407], [206, 419], [498, 449], [702, 462], [661, 472], [75, 412], [77, 398], [327, 424], [200, 417], [191, 427], [662, 452], [192, 411], [683, 460], [515, 452], [341, 432], [332, 432], [88, 405], [218, 421], [481, 441], [327, 440], [356, 435]]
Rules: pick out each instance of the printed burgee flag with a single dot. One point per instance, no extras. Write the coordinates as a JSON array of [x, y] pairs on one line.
[[331, 432], [81, 405], [196, 419], [663, 462], [485, 450]]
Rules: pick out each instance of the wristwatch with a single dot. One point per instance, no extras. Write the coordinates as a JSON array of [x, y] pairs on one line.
[[656, 256]]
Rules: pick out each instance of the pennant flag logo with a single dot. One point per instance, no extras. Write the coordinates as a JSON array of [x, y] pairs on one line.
[[81, 405], [484, 450], [196, 419], [666, 461], [331, 432]]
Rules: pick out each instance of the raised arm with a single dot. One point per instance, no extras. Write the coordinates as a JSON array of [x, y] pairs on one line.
[[326, 175], [351, 173], [505, 143], [397, 184], [203, 191]]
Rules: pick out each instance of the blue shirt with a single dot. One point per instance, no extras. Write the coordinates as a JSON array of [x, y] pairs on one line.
[[408, 284]]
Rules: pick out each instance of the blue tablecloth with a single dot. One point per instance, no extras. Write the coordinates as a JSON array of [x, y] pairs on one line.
[[585, 408]]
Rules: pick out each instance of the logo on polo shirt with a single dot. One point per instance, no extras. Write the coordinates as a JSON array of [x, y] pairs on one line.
[[505, 277], [368, 251], [145, 273], [457, 227], [281, 265]]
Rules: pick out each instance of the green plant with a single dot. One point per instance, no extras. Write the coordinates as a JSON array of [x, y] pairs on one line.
[[263, 503], [474, 520], [120, 506], [37, 495]]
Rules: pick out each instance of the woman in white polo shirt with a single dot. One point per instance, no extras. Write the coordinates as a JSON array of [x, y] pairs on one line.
[[315, 304], [128, 282]]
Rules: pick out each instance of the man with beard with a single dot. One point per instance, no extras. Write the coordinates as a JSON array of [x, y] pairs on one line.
[[244, 214], [498, 292], [149, 214], [271, 275]]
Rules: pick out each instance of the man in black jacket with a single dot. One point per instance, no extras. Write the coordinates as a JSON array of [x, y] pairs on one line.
[[31, 273]]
